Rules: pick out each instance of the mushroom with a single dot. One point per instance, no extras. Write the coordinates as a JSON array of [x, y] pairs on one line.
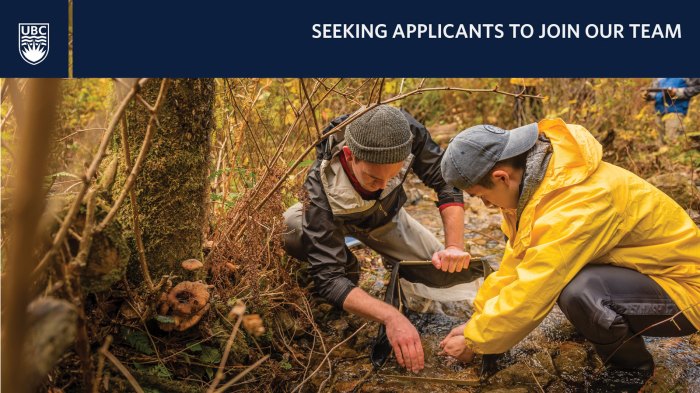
[[192, 265], [253, 324], [185, 303]]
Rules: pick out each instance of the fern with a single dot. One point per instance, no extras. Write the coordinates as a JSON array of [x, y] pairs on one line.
[[138, 340]]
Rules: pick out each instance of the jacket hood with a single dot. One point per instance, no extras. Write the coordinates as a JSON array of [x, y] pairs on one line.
[[576, 153]]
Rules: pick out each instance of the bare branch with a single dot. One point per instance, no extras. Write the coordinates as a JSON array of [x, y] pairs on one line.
[[227, 349], [86, 180], [122, 369], [312, 108], [101, 364], [145, 146], [242, 374], [326, 357]]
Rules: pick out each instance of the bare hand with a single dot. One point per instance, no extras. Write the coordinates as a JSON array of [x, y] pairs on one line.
[[405, 340], [456, 347], [458, 331], [452, 259]]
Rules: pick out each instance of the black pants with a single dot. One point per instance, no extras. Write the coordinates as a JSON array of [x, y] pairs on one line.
[[608, 305]]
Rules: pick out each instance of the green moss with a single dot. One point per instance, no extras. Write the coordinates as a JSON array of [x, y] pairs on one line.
[[107, 260], [172, 187]]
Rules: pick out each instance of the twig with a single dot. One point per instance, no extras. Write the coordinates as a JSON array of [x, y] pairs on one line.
[[415, 378], [364, 379], [145, 146], [122, 369], [357, 114], [140, 249], [86, 180], [327, 355], [227, 349], [534, 377], [245, 120], [78, 132], [86, 237], [101, 364], [241, 374], [312, 108], [340, 93], [82, 341], [278, 153], [381, 88], [671, 318]]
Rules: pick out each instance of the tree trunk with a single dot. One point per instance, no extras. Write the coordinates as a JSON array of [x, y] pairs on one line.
[[172, 186]]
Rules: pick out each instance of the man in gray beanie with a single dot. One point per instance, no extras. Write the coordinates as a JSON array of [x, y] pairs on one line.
[[355, 188]]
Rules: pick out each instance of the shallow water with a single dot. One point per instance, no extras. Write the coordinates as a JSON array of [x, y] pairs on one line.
[[553, 358]]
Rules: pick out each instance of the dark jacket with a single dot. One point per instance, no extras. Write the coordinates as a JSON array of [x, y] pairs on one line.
[[334, 208]]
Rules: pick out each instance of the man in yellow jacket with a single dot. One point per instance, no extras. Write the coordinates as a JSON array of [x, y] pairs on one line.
[[617, 254]]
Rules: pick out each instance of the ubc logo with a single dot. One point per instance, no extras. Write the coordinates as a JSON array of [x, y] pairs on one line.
[[33, 42]]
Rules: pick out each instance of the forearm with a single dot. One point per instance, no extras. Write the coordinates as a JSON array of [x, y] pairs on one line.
[[453, 222], [361, 303]]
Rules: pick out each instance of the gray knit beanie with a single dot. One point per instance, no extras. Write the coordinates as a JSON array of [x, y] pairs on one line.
[[380, 136]]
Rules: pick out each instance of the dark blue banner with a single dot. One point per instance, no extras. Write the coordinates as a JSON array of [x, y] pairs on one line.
[[34, 38], [368, 38]]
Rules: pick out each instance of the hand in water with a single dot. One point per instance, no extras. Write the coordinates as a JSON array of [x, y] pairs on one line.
[[455, 345], [405, 340]]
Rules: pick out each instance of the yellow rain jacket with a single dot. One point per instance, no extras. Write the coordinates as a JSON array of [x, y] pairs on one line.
[[584, 211]]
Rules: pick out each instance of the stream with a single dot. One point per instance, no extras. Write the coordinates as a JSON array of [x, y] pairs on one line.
[[552, 358]]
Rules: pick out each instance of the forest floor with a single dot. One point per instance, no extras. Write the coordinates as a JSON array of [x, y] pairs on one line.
[[553, 358]]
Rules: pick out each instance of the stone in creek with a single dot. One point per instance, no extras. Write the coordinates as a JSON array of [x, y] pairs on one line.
[[571, 362]]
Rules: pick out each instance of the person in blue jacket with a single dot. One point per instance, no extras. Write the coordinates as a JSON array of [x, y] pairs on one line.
[[671, 105]]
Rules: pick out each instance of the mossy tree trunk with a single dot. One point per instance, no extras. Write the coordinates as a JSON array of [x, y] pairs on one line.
[[172, 186]]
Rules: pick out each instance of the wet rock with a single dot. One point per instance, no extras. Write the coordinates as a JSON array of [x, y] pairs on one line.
[[325, 308], [287, 323], [339, 326], [506, 390], [346, 353], [559, 386], [663, 381], [344, 387], [362, 341], [695, 340], [571, 362], [521, 374], [543, 360], [325, 312]]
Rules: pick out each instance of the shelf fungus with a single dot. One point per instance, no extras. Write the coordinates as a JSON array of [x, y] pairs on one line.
[[183, 306]]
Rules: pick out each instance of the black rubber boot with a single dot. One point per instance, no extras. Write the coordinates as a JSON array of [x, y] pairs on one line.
[[614, 379], [490, 364]]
